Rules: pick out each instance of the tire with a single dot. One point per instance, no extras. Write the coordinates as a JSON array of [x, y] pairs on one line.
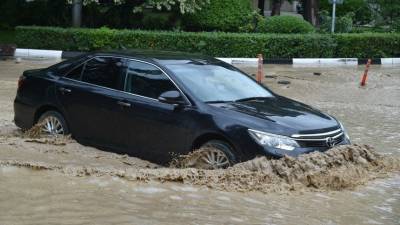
[[212, 147], [53, 123]]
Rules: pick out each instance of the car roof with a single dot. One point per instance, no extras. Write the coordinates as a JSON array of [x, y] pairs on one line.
[[161, 57]]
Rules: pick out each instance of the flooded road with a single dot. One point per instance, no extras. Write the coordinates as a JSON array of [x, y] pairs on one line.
[[33, 195]]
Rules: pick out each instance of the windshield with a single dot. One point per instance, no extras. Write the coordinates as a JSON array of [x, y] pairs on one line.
[[217, 83]]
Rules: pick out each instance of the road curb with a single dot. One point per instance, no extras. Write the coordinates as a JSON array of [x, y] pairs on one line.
[[57, 54], [326, 61], [37, 53]]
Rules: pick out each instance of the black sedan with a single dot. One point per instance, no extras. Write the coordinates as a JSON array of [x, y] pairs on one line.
[[155, 105]]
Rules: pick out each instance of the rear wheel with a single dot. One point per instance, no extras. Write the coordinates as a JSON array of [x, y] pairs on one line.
[[53, 123], [215, 154]]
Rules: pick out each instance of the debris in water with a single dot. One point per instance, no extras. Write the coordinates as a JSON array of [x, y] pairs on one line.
[[52, 141], [317, 73], [127, 163], [283, 82]]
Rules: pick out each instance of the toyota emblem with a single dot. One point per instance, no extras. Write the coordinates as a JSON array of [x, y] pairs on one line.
[[330, 142]]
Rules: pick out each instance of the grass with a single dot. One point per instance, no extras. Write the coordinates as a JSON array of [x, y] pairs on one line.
[[7, 36]]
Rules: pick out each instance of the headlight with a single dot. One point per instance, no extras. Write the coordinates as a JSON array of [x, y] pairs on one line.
[[273, 140], [344, 131]]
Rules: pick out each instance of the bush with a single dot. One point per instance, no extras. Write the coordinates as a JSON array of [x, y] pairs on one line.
[[213, 43], [221, 15], [251, 22], [286, 25]]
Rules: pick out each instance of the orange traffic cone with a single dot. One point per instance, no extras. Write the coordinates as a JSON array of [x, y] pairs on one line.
[[364, 77]]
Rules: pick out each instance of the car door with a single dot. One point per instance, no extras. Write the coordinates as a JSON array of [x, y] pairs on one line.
[[157, 130], [90, 95]]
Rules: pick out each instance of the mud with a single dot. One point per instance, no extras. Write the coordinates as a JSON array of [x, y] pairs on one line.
[[33, 132], [343, 167], [340, 168], [193, 159]]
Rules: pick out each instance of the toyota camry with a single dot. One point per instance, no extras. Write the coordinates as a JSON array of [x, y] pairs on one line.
[[155, 105]]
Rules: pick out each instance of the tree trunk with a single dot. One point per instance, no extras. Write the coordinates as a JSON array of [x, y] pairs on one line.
[[276, 7], [311, 11], [261, 6], [76, 13]]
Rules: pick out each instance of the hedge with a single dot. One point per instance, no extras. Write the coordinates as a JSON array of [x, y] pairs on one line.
[[213, 43], [368, 45]]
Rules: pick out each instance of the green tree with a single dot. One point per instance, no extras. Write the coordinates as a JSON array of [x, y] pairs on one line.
[[184, 6], [386, 11], [276, 6], [359, 8], [311, 11]]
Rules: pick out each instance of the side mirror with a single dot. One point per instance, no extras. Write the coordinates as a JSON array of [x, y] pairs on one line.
[[171, 97]]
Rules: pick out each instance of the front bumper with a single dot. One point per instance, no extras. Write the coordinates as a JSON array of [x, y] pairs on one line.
[[278, 153]]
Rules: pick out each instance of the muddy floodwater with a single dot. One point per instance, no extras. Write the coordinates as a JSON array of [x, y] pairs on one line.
[[58, 181]]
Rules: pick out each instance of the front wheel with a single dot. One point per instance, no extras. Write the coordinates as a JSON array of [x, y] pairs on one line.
[[215, 154], [53, 123]]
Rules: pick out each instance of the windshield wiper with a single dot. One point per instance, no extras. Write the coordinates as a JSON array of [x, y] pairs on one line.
[[250, 99], [217, 101]]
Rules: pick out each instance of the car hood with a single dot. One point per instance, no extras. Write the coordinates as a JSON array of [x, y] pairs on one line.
[[283, 114]]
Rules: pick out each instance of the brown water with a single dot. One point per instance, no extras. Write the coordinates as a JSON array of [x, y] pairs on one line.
[[31, 195]]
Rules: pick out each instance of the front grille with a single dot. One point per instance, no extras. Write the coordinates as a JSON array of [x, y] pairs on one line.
[[327, 139]]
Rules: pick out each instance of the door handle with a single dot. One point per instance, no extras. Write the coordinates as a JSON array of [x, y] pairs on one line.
[[64, 90], [125, 104]]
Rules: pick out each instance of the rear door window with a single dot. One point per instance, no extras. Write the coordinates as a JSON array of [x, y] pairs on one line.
[[147, 80], [76, 73], [105, 71], [64, 67]]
